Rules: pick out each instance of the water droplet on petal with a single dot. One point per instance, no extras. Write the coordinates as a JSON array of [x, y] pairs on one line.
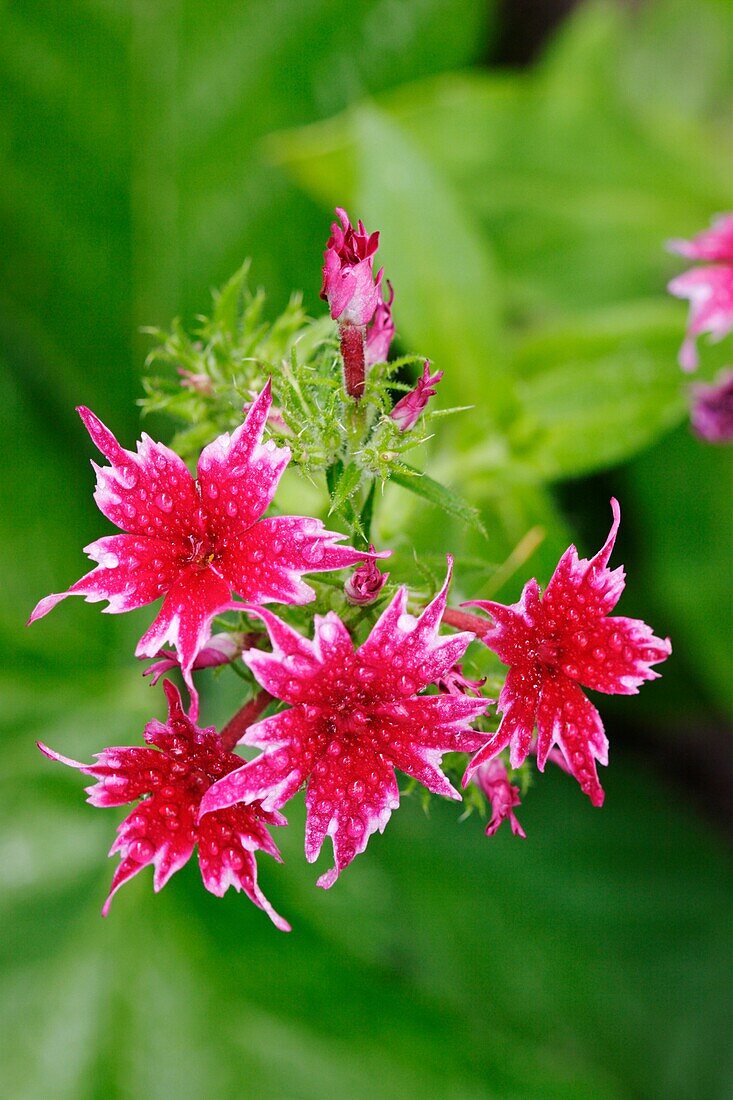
[[164, 502], [212, 490], [110, 561], [141, 850], [231, 508], [232, 858], [127, 476]]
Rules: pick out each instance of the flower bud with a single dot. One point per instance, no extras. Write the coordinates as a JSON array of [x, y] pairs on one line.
[[381, 331], [365, 583], [712, 409], [407, 411], [349, 285]]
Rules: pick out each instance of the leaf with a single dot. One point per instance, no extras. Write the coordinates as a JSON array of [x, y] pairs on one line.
[[346, 483], [598, 391], [446, 499]]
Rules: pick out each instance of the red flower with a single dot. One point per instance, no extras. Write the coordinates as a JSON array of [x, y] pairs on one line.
[[349, 285], [553, 644], [353, 718], [163, 828], [709, 289], [196, 542], [408, 409]]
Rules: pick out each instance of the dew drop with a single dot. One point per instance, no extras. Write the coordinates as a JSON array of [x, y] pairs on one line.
[[599, 654], [164, 502], [140, 850], [616, 642], [315, 552], [232, 858], [212, 491], [231, 508], [110, 561], [582, 640], [355, 827], [127, 477]]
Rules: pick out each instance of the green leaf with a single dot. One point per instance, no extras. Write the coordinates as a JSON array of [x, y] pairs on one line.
[[346, 483], [439, 495], [598, 391]]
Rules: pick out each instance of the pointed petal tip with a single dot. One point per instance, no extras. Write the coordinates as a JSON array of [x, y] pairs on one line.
[[327, 880]]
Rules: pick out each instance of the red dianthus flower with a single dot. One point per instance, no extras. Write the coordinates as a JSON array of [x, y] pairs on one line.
[[353, 718], [555, 642], [163, 829]]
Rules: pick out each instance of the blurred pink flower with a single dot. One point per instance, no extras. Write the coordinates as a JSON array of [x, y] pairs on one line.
[[163, 829], [353, 718], [408, 409], [712, 409], [709, 289], [553, 644]]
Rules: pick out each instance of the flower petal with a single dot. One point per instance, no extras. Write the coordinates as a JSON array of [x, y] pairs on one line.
[[185, 617], [585, 586], [518, 706], [349, 797], [266, 563], [565, 717], [147, 493], [132, 572], [615, 656], [238, 475]]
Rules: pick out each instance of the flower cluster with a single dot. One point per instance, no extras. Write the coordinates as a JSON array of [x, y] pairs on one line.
[[353, 681]]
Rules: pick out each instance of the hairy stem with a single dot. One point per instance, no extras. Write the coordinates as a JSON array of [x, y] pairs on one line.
[[243, 719], [352, 351]]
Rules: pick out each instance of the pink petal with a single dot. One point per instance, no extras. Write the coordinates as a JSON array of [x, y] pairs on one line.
[[586, 586], [404, 653], [132, 572], [293, 670], [265, 565], [238, 475], [274, 776], [148, 493], [710, 292], [349, 797], [124, 773], [513, 626], [614, 656], [518, 706], [227, 842], [146, 836], [567, 718], [714, 244], [185, 617]]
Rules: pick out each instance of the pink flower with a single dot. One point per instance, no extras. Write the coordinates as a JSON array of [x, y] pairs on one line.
[[196, 542], [380, 332], [197, 383], [493, 779], [553, 644], [709, 289], [349, 286], [408, 409], [712, 409], [163, 828], [353, 718], [365, 583], [455, 683]]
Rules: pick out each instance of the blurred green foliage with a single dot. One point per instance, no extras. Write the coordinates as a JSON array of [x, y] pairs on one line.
[[146, 150]]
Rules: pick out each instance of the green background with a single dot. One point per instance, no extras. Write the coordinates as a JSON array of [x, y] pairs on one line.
[[146, 149]]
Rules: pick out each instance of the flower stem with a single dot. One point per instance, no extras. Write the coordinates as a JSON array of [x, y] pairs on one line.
[[243, 719], [352, 351], [464, 620]]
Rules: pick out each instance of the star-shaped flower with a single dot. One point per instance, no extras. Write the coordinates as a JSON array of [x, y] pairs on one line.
[[353, 718], [196, 542], [554, 643], [709, 289], [163, 828]]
